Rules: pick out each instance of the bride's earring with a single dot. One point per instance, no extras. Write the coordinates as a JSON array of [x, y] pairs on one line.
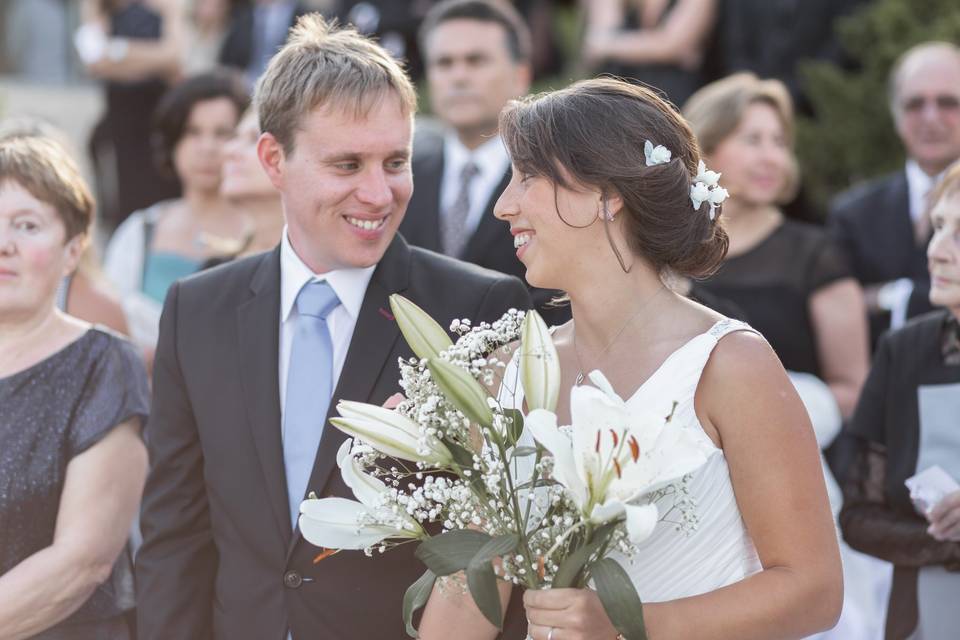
[[604, 213]]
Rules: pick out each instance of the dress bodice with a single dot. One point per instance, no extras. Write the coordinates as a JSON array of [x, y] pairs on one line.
[[677, 562]]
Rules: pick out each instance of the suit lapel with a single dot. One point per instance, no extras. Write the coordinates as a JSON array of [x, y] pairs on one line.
[[258, 322], [423, 213], [370, 351], [489, 230], [898, 208]]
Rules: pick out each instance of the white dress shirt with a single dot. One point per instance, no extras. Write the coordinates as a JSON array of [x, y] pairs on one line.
[[492, 161], [350, 285], [919, 185]]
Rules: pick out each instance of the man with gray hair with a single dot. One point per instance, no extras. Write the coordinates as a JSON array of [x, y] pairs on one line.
[[254, 355], [884, 225]]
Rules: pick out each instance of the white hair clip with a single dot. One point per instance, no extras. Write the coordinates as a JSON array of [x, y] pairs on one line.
[[706, 188], [656, 154]]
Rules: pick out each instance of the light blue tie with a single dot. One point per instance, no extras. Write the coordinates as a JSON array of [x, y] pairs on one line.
[[309, 387]]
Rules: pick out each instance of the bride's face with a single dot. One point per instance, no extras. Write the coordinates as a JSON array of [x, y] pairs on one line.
[[554, 228]]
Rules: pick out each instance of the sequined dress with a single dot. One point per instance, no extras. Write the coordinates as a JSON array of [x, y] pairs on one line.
[[49, 413]]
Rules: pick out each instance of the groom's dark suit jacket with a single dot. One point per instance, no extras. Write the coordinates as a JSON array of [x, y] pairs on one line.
[[219, 558]]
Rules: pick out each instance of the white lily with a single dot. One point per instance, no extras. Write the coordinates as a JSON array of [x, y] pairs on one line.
[[612, 456], [539, 365], [340, 523], [390, 433], [425, 337]]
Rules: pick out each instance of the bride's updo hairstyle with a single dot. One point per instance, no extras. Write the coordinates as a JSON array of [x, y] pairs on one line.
[[593, 133]]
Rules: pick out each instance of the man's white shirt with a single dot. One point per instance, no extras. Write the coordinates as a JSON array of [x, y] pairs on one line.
[[919, 186], [491, 159], [350, 285]]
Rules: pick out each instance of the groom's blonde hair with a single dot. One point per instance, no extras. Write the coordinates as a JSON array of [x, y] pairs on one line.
[[325, 65]]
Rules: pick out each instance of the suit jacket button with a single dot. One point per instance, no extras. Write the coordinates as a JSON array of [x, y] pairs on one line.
[[292, 579]]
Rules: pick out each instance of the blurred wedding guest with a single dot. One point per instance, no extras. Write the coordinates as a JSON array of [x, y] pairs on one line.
[[772, 37], [882, 225], [257, 31], [907, 419], [205, 30], [173, 238], [74, 397], [787, 277], [658, 42], [477, 55], [247, 187], [83, 293], [36, 40], [134, 47]]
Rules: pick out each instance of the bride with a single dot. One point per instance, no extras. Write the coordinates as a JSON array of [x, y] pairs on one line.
[[598, 212]]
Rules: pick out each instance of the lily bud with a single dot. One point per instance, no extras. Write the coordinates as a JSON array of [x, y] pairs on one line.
[[539, 365], [462, 390], [388, 432], [425, 337]]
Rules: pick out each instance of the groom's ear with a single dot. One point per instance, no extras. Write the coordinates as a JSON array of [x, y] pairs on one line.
[[272, 158]]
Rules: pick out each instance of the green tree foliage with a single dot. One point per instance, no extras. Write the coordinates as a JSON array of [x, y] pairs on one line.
[[853, 136]]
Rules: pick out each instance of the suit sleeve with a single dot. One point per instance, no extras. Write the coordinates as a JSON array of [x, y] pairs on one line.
[[175, 567], [505, 293]]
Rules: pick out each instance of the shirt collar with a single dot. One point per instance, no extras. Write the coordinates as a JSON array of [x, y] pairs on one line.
[[950, 340], [350, 285], [919, 184], [490, 157]]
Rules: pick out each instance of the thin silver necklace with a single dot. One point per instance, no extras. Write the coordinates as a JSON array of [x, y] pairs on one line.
[[576, 349]]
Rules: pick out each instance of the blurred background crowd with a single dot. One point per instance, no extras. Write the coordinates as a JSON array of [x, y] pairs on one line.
[[833, 122]]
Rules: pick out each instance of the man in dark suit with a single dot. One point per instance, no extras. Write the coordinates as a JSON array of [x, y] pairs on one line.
[[477, 56], [254, 355], [884, 225]]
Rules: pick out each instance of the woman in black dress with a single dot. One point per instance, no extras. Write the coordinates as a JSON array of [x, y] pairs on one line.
[[790, 281], [907, 423], [72, 402]]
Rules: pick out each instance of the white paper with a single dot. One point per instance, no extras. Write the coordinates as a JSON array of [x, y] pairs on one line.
[[929, 487]]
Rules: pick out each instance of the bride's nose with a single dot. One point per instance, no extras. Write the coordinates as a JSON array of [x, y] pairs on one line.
[[507, 204]]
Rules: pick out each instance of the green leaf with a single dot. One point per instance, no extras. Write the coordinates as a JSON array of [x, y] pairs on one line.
[[451, 551], [482, 581], [619, 597], [425, 337], [415, 597], [571, 568], [521, 452], [515, 428], [463, 390]]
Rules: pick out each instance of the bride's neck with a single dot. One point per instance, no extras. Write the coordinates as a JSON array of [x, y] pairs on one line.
[[602, 307]]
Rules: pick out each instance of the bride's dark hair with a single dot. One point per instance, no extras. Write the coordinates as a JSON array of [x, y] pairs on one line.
[[592, 133]]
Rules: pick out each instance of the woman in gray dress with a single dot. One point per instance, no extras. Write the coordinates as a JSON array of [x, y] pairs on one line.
[[73, 398]]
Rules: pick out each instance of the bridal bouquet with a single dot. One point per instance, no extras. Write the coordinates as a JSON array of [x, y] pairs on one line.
[[498, 491]]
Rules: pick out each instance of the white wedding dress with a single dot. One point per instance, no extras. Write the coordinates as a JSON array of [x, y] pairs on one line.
[[671, 563]]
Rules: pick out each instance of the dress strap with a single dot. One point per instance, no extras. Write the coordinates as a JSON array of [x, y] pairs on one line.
[[729, 325]]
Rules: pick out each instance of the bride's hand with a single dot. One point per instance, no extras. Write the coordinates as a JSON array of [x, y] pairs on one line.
[[573, 614]]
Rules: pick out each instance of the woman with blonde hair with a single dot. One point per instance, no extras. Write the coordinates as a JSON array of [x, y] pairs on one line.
[[790, 281]]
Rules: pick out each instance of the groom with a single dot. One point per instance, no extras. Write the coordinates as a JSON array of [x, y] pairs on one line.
[[254, 355]]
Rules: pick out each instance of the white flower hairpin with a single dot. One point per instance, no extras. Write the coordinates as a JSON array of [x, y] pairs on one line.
[[656, 154], [706, 188]]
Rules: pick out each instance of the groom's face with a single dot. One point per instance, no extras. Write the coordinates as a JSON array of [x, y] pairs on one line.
[[346, 185]]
